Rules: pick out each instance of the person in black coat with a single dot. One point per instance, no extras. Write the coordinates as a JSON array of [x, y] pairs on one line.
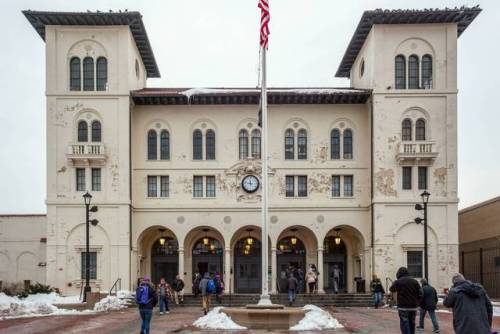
[[472, 308], [428, 303], [409, 294], [378, 290]]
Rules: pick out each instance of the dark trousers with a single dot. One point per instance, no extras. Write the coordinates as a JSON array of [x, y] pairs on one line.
[[432, 315], [407, 321], [164, 304], [146, 315]]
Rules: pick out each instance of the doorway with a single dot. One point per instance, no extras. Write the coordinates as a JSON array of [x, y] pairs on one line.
[[207, 256], [247, 266], [164, 260], [335, 264], [291, 259]]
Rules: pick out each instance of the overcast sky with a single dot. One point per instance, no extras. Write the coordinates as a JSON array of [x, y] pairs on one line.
[[214, 43]]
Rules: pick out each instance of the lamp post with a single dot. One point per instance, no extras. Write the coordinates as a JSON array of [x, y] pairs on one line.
[[87, 197], [425, 199]]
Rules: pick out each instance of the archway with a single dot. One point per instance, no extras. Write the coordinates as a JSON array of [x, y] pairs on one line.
[[247, 265], [164, 259], [207, 256], [335, 264], [291, 258]]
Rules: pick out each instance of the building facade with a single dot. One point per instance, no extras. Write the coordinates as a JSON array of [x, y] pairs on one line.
[[175, 173], [479, 244]]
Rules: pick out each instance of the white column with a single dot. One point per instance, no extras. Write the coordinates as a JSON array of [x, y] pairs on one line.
[[321, 279], [181, 264], [227, 270], [274, 271]]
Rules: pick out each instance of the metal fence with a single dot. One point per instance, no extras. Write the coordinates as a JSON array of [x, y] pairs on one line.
[[483, 266]]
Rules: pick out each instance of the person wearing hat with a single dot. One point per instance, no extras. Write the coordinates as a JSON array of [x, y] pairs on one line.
[[146, 298], [472, 308]]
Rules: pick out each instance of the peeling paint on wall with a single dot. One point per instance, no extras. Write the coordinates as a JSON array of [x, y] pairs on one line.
[[384, 179]]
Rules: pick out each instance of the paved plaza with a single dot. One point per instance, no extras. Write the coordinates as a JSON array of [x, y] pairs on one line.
[[355, 320]]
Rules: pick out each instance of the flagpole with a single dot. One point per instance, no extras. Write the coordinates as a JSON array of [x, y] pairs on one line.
[[264, 298]]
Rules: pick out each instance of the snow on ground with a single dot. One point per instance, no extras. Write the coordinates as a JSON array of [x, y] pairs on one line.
[[52, 298], [125, 294], [215, 319], [316, 319], [496, 311], [110, 303]]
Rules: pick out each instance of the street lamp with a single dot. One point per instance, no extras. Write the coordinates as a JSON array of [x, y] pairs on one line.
[[87, 198], [425, 199]]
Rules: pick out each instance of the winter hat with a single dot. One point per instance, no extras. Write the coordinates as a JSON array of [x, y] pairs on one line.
[[457, 278], [146, 279]]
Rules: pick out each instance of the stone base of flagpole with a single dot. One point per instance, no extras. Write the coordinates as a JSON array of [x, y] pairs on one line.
[[265, 300]]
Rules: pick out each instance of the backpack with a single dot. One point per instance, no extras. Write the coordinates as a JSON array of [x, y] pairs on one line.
[[210, 286], [142, 295]]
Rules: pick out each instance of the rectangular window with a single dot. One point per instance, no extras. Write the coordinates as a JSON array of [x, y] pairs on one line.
[[80, 179], [407, 178], [96, 179], [290, 191], [302, 186], [335, 185], [422, 178], [92, 265], [164, 186], [197, 186], [414, 261], [210, 180], [152, 186], [348, 188]]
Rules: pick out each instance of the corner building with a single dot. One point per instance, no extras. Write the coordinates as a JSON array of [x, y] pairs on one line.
[[176, 172]]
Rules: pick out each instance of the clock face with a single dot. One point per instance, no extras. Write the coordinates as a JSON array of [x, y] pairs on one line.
[[250, 183]]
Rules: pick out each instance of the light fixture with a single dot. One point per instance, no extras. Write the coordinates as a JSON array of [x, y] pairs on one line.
[[205, 239], [212, 247], [282, 247], [337, 237], [425, 196], [293, 239], [247, 247], [246, 252], [87, 197], [249, 239], [162, 238]]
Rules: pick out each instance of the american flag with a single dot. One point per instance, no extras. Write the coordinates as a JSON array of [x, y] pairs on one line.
[[264, 23]]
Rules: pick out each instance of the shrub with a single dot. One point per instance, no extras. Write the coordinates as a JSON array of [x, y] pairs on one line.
[[36, 288]]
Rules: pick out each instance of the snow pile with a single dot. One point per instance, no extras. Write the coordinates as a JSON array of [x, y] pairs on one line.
[[496, 311], [52, 298], [15, 307], [123, 294], [215, 319], [110, 303], [316, 319]]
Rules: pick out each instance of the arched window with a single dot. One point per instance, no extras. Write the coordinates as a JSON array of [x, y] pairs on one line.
[[197, 145], [165, 145], [152, 143], [96, 131], [427, 72], [210, 142], [420, 129], [335, 144], [400, 72], [243, 144], [302, 145], [75, 82], [289, 144], [256, 144], [413, 72], [348, 144], [83, 131], [101, 73], [88, 73], [406, 129]]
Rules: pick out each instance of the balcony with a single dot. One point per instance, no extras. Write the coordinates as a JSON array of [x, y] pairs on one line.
[[85, 154], [417, 151]]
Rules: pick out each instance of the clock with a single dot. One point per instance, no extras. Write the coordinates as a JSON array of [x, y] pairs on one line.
[[250, 183]]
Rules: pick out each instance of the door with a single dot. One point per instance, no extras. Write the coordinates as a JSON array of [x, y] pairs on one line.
[[287, 264], [165, 270], [337, 268], [248, 274]]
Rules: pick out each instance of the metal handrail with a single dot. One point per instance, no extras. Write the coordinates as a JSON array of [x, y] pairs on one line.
[[81, 290], [118, 283]]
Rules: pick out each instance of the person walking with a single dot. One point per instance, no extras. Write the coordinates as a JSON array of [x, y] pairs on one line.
[[219, 287], [207, 288], [291, 286], [196, 283], [178, 287], [300, 280], [146, 298], [311, 280], [164, 293], [336, 278], [472, 308], [409, 294], [428, 305], [378, 290]]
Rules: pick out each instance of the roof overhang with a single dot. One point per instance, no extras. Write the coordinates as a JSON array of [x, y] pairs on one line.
[[39, 20], [217, 96], [461, 16]]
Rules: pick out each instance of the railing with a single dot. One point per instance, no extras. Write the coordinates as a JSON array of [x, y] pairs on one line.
[[117, 286], [416, 147], [81, 290], [86, 149]]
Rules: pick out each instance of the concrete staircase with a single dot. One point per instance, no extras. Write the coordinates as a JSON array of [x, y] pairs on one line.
[[339, 300]]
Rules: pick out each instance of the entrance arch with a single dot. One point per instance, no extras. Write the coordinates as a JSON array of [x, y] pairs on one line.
[[164, 259], [207, 256], [291, 257], [248, 265], [335, 264]]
